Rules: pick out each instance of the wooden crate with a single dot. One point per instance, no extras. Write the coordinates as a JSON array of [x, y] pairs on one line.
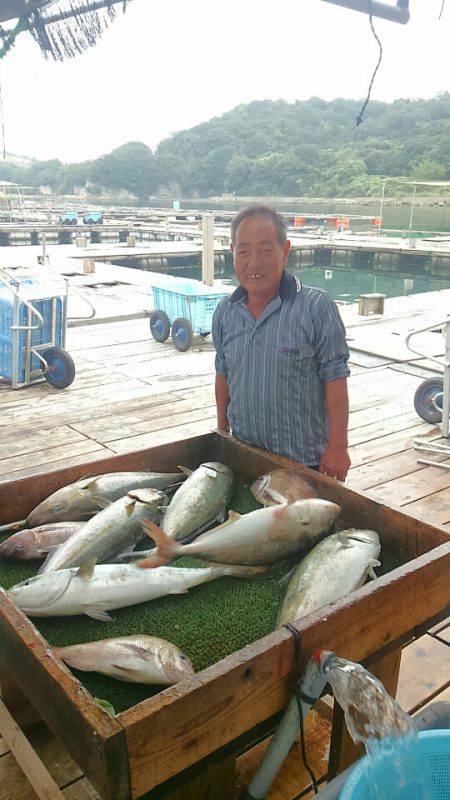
[[165, 740]]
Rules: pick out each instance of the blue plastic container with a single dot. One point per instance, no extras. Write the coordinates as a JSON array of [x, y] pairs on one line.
[[189, 299], [434, 748], [41, 295]]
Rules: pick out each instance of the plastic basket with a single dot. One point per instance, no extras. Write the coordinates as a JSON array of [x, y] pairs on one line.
[[434, 747], [190, 300], [41, 295]]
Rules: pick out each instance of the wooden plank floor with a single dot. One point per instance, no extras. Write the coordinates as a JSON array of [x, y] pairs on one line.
[[131, 393]]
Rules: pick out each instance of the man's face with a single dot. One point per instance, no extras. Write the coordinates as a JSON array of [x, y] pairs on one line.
[[259, 258]]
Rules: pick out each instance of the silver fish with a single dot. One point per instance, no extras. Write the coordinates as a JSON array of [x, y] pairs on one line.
[[199, 501], [281, 486], [335, 567], [134, 659], [77, 502], [95, 590], [111, 531], [261, 537], [37, 542]]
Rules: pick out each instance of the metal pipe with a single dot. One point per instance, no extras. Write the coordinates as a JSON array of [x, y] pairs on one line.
[[446, 396], [412, 210], [398, 13]]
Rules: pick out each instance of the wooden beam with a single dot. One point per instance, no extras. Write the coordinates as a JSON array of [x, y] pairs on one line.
[[27, 758]]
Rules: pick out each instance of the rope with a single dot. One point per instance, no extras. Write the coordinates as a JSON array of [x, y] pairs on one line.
[[299, 695], [359, 118]]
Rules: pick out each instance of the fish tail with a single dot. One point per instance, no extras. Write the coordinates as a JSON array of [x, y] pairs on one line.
[[166, 548]]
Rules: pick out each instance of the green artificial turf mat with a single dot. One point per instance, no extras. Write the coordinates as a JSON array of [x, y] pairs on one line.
[[210, 622]]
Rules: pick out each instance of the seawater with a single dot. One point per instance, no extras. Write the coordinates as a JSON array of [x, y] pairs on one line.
[[397, 770]]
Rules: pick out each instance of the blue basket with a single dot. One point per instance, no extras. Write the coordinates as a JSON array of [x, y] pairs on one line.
[[434, 747], [190, 300], [41, 335]]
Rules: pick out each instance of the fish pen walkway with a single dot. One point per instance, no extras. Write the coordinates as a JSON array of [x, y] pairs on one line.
[[132, 393]]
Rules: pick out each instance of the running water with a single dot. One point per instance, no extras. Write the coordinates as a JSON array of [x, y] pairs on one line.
[[375, 719]]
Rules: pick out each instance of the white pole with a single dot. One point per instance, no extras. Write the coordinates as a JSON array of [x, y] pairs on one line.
[[446, 397], [208, 249], [412, 210], [381, 208]]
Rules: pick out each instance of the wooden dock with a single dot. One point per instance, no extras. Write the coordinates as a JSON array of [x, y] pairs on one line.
[[132, 393]]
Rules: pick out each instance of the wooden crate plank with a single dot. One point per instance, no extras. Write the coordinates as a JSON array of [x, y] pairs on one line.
[[27, 759], [160, 437], [433, 507], [87, 459], [383, 470], [424, 672], [42, 457], [114, 426], [412, 487], [81, 790], [62, 768], [236, 694]]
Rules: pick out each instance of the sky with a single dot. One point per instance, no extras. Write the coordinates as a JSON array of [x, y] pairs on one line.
[[166, 66]]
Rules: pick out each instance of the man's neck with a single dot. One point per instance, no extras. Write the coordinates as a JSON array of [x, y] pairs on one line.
[[256, 304]]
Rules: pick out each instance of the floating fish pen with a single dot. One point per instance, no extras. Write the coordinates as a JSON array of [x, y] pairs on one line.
[[163, 742]]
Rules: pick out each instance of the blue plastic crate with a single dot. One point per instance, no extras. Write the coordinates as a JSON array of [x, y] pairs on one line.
[[434, 749], [190, 300], [33, 292]]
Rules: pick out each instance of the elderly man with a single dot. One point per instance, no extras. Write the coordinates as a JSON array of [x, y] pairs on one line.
[[281, 354]]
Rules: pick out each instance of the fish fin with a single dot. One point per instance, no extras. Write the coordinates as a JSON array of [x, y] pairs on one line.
[[102, 502], [47, 558], [344, 540], [166, 548], [98, 613], [371, 572], [86, 570], [271, 494], [232, 515], [242, 570], [185, 470], [126, 670], [88, 480], [174, 486], [286, 578], [179, 591]]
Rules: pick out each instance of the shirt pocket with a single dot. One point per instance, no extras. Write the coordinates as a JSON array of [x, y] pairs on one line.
[[295, 359]]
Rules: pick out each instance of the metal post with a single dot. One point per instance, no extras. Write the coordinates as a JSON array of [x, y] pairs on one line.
[[446, 397], [208, 249], [381, 208], [43, 248], [412, 210]]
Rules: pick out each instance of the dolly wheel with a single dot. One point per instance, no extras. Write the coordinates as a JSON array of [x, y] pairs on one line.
[[159, 326], [182, 334], [61, 369], [428, 400]]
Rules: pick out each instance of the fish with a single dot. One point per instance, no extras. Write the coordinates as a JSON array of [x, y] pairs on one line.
[[77, 502], [281, 486], [95, 590], [37, 542], [260, 537], [199, 501], [133, 659], [335, 567], [112, 530]]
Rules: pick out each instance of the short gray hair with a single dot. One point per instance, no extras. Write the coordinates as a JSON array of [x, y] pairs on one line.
[[260, 210]]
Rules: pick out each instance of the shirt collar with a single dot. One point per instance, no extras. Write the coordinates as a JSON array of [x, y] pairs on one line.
[[289, 286]]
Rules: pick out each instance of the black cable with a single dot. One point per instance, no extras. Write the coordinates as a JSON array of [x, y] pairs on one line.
[[299, 696], [359, 118]]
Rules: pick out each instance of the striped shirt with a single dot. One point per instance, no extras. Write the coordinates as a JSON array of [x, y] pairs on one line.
[[276, 367]]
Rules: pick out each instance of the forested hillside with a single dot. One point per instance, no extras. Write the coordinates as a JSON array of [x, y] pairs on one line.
[[306, 148]]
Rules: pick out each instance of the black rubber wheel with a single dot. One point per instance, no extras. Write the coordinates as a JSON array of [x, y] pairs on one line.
[[73, 222], [61, 369], [159, 326], [429, 395], [182, 334]]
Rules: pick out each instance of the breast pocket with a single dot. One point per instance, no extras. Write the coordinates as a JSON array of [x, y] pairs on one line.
[[295, 362]]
